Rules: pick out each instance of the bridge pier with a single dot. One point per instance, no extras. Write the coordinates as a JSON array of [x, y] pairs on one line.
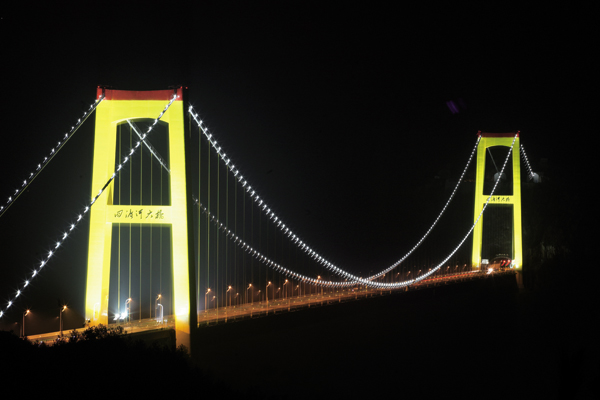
[[519, 277]]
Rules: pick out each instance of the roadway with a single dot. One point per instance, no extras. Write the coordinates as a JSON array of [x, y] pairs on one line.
[[324, 296]]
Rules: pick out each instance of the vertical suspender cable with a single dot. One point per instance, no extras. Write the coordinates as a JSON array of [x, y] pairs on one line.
[[130, 225], [253, 243], [151, 255], [198, 287], [267, 254], [227, 276], [119, 238], [160, 262], [208, 229], [141, 203], [235, 249], [217, 233], [245, 240], [260, 246]]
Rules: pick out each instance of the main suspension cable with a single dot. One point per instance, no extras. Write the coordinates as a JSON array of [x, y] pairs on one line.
[[287, 231], [53, 152], [84, 212], [353, 279]]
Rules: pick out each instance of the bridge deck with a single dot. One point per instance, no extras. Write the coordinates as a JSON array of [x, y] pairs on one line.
[[253, 310]]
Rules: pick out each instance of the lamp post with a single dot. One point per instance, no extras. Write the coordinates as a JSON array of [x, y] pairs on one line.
[[317, 289], [206, 300], [249, 287], [267, 290], [226, 310], [60, 316], [127, 308], [156, 306], [285, 294], [24, 315]]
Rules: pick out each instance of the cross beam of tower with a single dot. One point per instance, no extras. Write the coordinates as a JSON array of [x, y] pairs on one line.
[[120, 107]]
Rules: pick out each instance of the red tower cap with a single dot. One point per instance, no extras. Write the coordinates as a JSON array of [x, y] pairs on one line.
[[509, 134], [165, 95]]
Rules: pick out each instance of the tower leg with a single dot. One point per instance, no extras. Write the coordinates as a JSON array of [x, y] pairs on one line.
[[519, 277]]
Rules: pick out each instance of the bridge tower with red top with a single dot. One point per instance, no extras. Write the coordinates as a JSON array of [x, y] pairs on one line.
[[119, 107], [512, 198]]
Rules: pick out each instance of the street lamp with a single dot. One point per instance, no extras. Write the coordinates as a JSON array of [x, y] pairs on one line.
[[24, 315], [317, 289], [250, 287], [206, 299], [127, 308], [60, 315], [228, 290], [267, 290], [157, 307], [285, 294], [156, 304]]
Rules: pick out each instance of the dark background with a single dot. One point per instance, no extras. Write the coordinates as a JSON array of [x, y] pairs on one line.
[[339, 115]]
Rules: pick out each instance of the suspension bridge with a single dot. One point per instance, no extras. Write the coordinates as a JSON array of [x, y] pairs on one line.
[[178, 235]]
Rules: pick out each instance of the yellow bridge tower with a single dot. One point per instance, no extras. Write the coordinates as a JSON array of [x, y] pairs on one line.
[[117, 108], [514, 199]]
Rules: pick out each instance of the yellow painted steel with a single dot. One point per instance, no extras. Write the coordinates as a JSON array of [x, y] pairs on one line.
[[514, 199], [109, 114]]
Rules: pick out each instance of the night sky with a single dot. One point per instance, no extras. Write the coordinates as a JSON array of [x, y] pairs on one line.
[[336, 115]]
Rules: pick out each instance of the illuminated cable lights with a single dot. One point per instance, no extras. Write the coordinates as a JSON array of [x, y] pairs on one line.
[[80, 216], [148, 145], [263, 206], [530, 172], [265, 260], [367, 282], [53, 152], [433, 270], [390, 268]]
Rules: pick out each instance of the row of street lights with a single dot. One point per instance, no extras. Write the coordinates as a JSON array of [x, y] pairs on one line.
[[158, 306], [158, 310], [251, 287], [27, 312], [298, 287]]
